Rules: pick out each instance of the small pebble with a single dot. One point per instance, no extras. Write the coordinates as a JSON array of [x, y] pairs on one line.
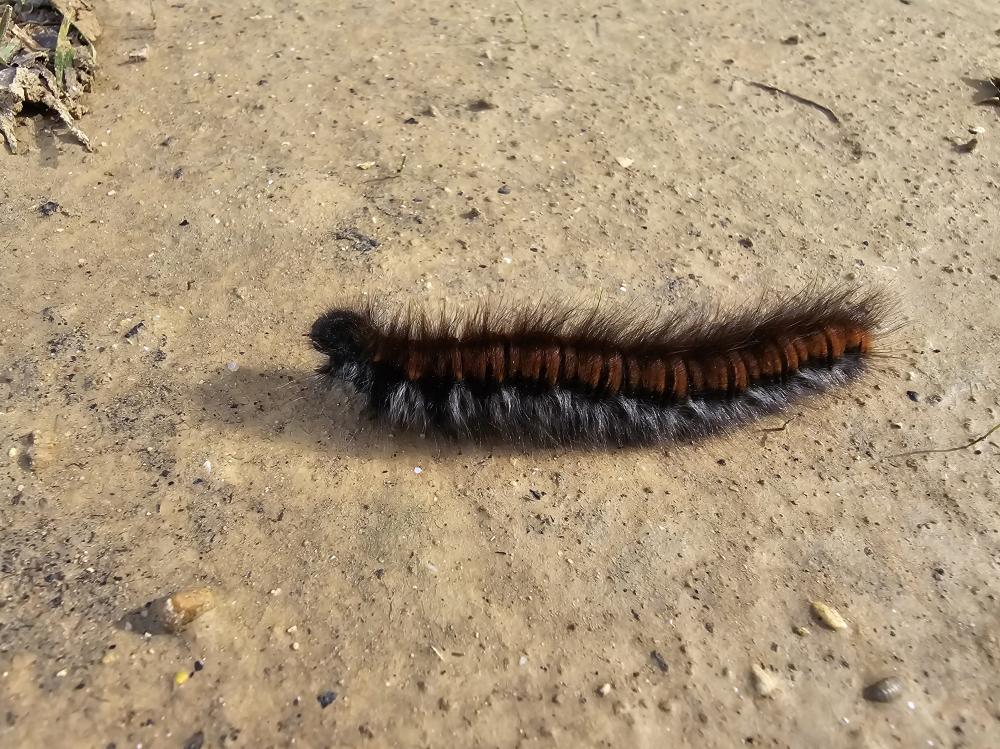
[[764, 682], [660, 661], [828, 616], [604, 690], [504, 190], [232, 366], [326, 698], [48, 208], [801, 631], [173, 613], [884, 690], [180, 677], [12, 453]]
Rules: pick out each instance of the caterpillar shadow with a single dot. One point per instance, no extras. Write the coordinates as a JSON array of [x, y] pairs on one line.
[[297, 407], [292, 406]]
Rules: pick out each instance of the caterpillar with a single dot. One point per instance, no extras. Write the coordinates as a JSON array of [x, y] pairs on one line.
[[554, 374]]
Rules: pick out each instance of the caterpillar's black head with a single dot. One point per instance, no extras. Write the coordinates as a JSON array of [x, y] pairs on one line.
[[339, 334]]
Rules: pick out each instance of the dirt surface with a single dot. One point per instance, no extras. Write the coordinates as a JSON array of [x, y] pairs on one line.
[[495, 598]]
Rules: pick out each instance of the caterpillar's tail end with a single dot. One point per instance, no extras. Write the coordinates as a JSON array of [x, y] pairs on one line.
[[880, 312]]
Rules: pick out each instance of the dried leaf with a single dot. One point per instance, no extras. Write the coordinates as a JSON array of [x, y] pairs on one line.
[[81, 15], [11, 100], [7, 130], [25, 39], [33, 84]]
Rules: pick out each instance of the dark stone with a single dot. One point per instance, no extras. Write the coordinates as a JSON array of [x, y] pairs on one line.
[[326, 698]]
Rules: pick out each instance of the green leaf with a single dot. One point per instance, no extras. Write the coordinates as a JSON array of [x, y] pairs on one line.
[[64, 52], [7, 51]]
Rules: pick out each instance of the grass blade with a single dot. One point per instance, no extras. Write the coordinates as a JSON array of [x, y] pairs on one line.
[[64, 53]]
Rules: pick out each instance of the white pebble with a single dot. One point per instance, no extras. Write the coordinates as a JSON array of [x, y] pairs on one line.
[[232, 366], [764, 682], [207, 465], [418, 469]]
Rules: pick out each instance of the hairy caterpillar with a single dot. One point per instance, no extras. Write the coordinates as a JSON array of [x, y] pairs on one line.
[[555, 374]]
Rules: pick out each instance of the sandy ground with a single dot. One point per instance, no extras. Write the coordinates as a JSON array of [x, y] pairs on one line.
[[450, 607]]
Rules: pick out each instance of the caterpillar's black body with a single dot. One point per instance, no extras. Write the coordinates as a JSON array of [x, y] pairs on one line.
[[564, 375]]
